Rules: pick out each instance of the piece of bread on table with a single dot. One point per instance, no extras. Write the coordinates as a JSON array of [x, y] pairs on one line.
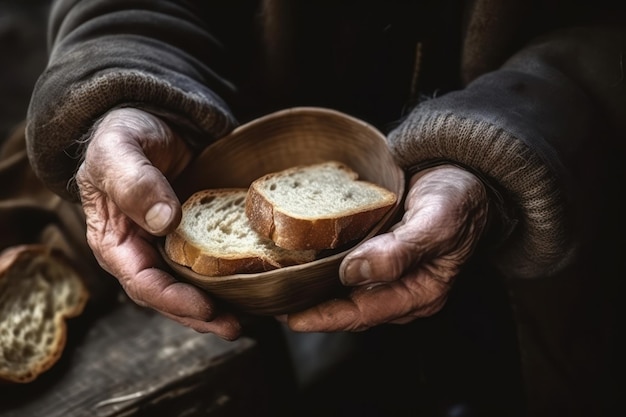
[[39, 290], [214, 238], [318, 206]]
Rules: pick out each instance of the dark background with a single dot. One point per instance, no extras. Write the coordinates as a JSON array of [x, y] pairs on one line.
[[22, 57], [374, 381]]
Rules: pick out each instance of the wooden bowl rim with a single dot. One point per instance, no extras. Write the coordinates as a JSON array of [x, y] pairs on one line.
[[277, 277], [303, 110]]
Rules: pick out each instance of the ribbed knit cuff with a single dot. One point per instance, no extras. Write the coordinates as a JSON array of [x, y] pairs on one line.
[[539, 244], [56, 132]]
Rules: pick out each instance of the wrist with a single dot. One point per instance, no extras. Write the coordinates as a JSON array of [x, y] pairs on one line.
[[501, 216]]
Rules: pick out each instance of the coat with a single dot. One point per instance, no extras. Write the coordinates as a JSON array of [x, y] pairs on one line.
[[529, 97]]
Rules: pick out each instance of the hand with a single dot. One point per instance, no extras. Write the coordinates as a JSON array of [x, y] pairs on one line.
[[128, 200], [407, 273]]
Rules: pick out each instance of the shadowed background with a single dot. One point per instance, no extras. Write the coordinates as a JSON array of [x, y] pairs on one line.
[[22, 56]]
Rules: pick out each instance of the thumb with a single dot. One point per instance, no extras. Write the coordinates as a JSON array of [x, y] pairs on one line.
[[148, 200], [383, 258], [445, 213], [133, 184], [117, 164]]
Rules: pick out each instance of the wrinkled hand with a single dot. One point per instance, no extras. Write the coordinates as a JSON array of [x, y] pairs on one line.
[[127, 200], [407, 273]]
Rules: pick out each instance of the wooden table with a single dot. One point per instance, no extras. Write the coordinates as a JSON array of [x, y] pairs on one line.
[[133, 362]]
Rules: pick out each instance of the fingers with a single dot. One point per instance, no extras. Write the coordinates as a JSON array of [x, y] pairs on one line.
[[395, 302], [127, 198], [225, 326], [446, 210], [127, 253], [383, 258], [142, 193], [128, 158], [117, 167], [154, 288], [182, 303], [407, 273], [426, 237]]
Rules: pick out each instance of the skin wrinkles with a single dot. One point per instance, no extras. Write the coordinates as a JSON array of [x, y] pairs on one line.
[[135, 134], [135, 168], [370, 307], [137, 275], [395, 277], [386, 264], [134, 152], [410, 270]]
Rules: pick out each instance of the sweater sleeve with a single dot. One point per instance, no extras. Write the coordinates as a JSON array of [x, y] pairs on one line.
[[525, 129], [150, 54]]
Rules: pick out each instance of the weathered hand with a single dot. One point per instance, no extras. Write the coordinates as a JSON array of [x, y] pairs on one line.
[[407, 273], [128, 200]]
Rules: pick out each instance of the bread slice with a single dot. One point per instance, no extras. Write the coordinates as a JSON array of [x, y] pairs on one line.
[[39, 290], [318, 206], [214, 238]]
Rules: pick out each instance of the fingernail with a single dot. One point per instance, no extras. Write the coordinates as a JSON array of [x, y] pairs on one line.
[[158, 217], [357, 270]]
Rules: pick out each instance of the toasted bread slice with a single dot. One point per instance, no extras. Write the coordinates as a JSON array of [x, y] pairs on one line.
[[215, 238], [318, 206], [39, 290]]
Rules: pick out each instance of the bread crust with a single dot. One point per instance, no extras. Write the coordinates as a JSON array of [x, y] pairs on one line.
[[298, 234], [322, 233], [15, 257], [186, 253]]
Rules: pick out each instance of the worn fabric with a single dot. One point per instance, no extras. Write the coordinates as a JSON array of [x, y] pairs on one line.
[[32, 214], [527, 95]]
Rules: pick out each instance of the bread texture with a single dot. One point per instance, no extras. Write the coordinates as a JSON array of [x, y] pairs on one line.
[[214, 238], [318, 206], [39, 291]]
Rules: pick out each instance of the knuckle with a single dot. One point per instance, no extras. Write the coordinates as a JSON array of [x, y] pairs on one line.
[[133, 292]]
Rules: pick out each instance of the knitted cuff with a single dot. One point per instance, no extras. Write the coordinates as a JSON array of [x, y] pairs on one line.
[[55, 136], [538, 245]]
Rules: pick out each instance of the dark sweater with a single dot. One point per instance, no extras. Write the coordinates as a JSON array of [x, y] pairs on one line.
[[470, 83]]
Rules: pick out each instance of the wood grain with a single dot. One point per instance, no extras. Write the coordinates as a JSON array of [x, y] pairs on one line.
[[303, 135], [134, 362]]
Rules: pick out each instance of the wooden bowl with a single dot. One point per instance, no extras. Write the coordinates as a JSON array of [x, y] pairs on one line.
[[272, 143]]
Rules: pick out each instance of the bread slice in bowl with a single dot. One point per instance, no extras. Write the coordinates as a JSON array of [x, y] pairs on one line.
[[214, 238], [39, 290], [318, 206]]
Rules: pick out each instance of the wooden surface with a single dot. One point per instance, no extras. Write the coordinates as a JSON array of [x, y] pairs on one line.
[[129, 361], [132, 362]]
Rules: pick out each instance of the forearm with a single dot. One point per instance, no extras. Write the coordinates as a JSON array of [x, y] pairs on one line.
[[524, 130], [154, 55]]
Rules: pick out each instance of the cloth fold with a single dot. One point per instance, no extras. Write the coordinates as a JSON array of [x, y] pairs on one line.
[[31, 213]]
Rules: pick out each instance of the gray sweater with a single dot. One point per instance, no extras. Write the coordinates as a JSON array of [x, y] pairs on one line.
[[515, 94]]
